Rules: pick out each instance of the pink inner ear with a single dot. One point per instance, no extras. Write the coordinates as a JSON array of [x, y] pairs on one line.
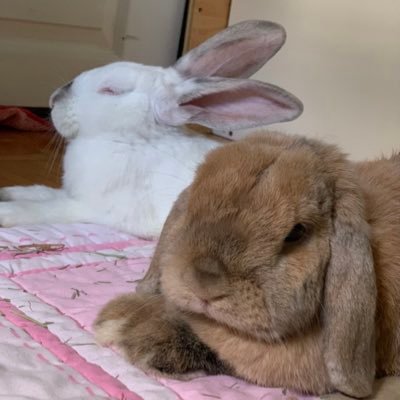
[[239, 59], [245, 103], [225, 104], [238, 51]]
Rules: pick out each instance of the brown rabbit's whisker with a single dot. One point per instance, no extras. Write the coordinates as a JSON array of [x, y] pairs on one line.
[[150, 300]]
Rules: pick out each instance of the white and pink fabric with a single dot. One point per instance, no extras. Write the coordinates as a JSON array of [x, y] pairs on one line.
[[53, 281]]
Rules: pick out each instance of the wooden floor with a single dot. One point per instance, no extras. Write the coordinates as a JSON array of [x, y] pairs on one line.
[[28, 158]]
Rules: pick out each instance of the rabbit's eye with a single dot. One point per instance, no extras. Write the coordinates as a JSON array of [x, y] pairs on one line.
[[297, 233], [111, 91]]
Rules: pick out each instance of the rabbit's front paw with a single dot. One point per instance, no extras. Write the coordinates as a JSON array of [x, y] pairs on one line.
[[11, 193], [11, 214], [29, 193], [6, 193], [154, 339]]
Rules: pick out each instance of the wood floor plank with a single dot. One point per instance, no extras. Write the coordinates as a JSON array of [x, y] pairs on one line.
[[28, 158]]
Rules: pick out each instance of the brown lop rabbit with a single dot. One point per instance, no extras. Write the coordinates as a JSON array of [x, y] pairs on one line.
[[280, 264]]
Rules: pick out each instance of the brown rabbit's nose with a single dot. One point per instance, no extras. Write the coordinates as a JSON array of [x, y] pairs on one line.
[[208, 271]]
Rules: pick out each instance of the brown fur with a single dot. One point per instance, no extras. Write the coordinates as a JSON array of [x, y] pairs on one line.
[[162, 344], [300, 315], [381, 184]]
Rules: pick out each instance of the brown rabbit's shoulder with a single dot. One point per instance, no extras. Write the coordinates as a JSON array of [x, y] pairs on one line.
[[274, 244], [278, 256], [380, 180]]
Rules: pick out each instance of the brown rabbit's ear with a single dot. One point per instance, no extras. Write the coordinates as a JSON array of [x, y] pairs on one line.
[[151, 281], [350, 298]]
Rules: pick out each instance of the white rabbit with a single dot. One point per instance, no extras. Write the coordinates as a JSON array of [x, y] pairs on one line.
[[129, 154]]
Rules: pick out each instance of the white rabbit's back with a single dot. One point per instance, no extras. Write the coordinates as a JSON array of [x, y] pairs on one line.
[[133, 186]]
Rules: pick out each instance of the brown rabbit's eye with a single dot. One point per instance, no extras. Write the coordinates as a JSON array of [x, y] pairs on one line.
[[297, 233]]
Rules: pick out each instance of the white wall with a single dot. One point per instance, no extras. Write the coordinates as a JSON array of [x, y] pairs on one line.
[[342, 59], [45, 43], [153, 30]]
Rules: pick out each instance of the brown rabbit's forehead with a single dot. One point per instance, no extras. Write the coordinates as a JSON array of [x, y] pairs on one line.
[[250, 184], [249, 197]]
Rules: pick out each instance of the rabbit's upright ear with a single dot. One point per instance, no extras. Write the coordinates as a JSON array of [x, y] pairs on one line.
[[238, 51], [225, 104], [208, 93], [350, 298]]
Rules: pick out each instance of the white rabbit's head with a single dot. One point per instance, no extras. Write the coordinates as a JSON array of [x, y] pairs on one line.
[[207, 86], [109, 100]]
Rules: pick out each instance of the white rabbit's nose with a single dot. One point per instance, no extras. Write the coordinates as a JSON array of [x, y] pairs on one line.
[[59, 93]]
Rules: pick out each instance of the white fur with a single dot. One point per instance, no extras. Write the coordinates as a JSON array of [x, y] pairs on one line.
[[121, 168], [128, 154]]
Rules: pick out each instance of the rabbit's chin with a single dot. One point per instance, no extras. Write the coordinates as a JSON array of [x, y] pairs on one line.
[[65, 120], [220, 313]]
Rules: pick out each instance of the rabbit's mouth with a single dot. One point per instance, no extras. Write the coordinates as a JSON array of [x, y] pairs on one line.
[[64, 119], [187, 300], [195, 304], [59, 94], [220, 312]]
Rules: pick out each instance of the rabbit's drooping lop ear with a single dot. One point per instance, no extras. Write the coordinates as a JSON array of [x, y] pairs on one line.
[[210, 93], [350, 297], [150, 284]]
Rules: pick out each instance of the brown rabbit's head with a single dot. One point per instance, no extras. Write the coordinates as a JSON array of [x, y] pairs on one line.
[[272, 240]]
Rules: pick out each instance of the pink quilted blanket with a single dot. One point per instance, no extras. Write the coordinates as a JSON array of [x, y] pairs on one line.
[[53, 281]]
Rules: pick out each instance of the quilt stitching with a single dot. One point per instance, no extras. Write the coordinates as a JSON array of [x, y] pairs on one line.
[[20, 353], [67, 330], [61, 313], [66, 354]]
